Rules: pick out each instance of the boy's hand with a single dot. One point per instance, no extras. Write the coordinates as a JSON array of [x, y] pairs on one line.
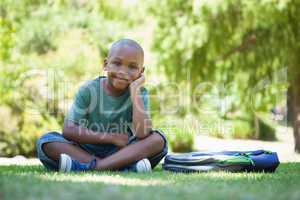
[[120, 140], [137, 84]]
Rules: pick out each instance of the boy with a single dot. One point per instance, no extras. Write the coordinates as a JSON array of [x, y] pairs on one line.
[[108, 126]]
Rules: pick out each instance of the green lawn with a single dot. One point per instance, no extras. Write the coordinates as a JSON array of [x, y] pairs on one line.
[[33, 182]]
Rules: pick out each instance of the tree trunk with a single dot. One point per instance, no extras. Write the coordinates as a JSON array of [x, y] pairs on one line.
[[296, 111], [289, 105]]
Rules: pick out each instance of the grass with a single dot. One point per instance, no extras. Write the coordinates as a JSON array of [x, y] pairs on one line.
[[33, 182]]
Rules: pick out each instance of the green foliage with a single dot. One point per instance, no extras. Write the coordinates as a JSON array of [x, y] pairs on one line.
[[210, 37], [265, 128], [6, 38], [181, 139], [166, 99], [23, 108], [243, 129], [18, 133], [47, 49], [241, 45], [237, 46], [36, 36]]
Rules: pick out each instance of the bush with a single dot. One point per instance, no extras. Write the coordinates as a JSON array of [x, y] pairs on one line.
[[216, 132], [18, 134], [259, 128], [181, 140], [20, 126], [51, 38], [264, 128], [39, 39], [167, 100], [242, 129], [37, 33]]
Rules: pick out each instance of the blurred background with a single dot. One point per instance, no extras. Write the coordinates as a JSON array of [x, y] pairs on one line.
[[220, 73]]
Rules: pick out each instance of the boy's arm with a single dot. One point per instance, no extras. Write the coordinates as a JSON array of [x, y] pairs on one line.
[[78, 111], [141, 120], [81, 135]]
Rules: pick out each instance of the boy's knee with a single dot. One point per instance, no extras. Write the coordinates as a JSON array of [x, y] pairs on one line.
[[46, 147], [45, 138], [49, 139], [160, 139]]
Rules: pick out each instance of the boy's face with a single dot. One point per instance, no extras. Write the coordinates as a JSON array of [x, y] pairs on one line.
[[124, 65]]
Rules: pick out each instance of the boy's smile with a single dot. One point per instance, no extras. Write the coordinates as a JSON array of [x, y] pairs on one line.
[[124, 64]]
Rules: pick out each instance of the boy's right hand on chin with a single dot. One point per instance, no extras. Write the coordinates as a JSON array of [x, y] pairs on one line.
[[120, 140]]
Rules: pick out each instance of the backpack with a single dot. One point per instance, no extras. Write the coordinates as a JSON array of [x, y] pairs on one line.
[[231, 161]]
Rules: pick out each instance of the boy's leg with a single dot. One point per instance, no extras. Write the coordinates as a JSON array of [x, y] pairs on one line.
[[54, 149], [52, 144], [149, 146], [155, 159]]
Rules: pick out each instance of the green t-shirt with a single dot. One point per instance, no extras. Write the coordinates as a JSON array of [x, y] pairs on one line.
[[94, 109]]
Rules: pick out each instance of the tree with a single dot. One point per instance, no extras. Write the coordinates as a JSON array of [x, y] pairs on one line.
[[237, 42], [296, 111]]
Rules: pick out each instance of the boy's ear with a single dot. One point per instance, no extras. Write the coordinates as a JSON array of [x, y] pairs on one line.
[[143, 69], [105, 64]]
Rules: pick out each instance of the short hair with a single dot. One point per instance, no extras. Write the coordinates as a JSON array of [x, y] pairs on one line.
[[123, 42]]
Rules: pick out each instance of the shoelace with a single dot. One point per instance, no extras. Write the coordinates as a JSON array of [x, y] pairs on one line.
[[79, 166]]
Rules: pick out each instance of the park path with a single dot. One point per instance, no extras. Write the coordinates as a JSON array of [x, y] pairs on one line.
[[284, 146]]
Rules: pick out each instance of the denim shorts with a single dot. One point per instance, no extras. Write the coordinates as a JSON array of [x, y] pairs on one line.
[[101, 150]]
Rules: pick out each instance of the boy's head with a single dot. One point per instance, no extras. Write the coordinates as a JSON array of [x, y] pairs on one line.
[[124, 63]]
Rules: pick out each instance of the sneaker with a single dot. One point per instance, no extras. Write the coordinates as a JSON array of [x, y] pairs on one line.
[[67, 164], [142, 166]]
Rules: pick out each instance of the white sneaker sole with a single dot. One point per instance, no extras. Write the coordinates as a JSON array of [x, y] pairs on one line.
[[65, 163], [143, 166]]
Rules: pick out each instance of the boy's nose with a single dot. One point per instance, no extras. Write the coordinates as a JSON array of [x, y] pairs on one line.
[[123, 72]]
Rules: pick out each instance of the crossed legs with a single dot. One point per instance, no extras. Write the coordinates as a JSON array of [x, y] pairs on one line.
[[149, 146]]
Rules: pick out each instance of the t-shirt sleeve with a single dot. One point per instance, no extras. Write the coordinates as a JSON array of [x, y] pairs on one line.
[[80, 106]]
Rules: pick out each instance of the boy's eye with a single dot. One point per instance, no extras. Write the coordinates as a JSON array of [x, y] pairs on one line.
[[117, 63], [132, 67]]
